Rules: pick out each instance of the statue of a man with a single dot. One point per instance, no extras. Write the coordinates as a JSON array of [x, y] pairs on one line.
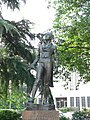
[[47, 62]]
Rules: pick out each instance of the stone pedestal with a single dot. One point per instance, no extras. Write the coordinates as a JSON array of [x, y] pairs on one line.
[[31, 106], [40, 115]]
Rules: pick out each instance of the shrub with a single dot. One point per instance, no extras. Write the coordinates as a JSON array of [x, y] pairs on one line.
[[79, 115], [9, 115], [63, 118], [67, 109]]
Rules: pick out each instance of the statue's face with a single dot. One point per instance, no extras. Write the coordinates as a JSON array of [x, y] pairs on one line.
[[47, 40], [47, 37]]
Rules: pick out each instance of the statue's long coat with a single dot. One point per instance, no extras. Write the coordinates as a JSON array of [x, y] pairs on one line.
[[45, 60]]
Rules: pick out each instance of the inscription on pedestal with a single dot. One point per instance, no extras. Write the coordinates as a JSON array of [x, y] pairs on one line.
[[40, 115]]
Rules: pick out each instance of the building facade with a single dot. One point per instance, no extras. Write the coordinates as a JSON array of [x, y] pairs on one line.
[[74, 96]]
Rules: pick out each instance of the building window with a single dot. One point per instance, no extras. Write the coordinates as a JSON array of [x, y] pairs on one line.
[[83, 101], [88, 101], [78, 102], [61, 102], [72, 101]]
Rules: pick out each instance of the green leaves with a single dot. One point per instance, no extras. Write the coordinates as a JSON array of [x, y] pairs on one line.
[[72, 30], [14, 68], [7, 25], [19, 44]]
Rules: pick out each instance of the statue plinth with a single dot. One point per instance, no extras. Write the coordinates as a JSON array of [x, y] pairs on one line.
[[40, 115], [32, 106]]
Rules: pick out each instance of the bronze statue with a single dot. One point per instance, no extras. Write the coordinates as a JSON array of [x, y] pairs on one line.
[[47, 62]]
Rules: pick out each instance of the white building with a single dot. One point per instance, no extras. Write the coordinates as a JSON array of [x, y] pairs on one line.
[[72, 97]]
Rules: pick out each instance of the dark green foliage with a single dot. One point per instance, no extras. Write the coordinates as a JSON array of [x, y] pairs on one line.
[[16, 52], [19, 42], [7, 26], [63, 118], [9, 115], [80, 115], [14, 68]]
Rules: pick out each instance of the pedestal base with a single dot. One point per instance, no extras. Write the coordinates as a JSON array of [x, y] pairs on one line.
[[40, 115], [32, 106]]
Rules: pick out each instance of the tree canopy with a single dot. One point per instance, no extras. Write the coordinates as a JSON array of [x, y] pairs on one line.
[[72, 30]]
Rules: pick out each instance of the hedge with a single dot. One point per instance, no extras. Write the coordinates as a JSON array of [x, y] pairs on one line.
[[9, 115]]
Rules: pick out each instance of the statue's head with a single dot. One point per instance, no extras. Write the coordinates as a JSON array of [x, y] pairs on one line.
[[48, 36]]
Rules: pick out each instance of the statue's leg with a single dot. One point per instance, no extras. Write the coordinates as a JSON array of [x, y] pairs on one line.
[[37, 81], [47, 77], [51, 101], [48, 98], [46, 94], [34, 89]]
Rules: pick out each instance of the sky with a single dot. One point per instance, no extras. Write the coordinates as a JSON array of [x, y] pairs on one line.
[[34, 10]]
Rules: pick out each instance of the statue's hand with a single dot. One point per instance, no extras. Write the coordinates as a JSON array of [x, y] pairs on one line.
[[32, 66]]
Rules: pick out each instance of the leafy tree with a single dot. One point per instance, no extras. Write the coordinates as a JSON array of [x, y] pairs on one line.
[[14, 68], [18, 41], [16, 51], [16, 98], [71, 26]]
